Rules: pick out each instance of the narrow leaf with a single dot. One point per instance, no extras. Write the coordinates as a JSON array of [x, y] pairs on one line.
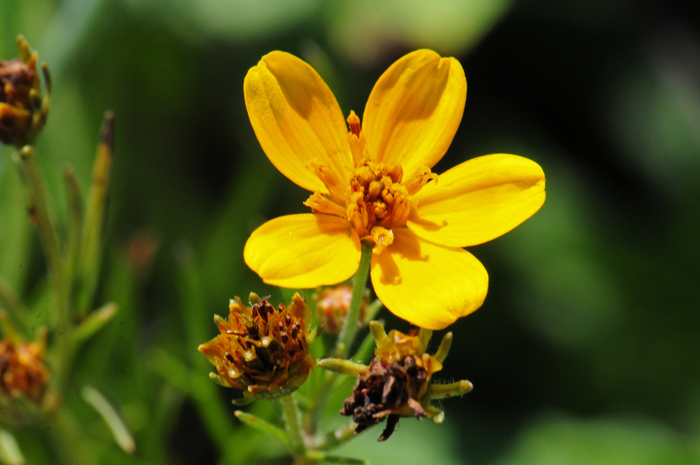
[[94, 322], [262, 425], [111, 417], [96, 213]]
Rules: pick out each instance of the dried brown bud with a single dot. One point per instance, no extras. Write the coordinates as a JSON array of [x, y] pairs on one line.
[[23, 374], [396, 384], [22, 370], [22, 111], [332, 305], [262, 350]]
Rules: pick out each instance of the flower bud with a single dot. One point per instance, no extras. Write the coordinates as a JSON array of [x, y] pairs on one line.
[[22, 111], [261, 350], [332, 305], [23, 374]]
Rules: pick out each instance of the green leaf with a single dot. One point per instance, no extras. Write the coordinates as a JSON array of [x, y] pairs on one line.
[[111, 417]]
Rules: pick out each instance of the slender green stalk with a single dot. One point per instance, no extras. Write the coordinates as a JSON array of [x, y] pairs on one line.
[[15, 307], [347, 334], [41, 216], [345, 338], [111, 417], [95, 215], [68, 438], [93, 323], [317, 404], [75, 225], [264, 426], [292, 420]]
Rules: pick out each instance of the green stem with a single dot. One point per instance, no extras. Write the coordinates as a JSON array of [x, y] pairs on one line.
[[292, 420], [111, 417], [347, 334], [93, 323], [263, 426], [15, 307], [94, 223], [75, 225], [317, 404], [41, 215]]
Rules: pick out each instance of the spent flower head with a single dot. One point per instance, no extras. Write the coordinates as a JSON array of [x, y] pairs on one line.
[[262, 350], [371, 182], [399, 380], [23, 374], [22, 111]]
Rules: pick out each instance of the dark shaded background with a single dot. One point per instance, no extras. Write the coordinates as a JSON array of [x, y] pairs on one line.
[[586, 350]]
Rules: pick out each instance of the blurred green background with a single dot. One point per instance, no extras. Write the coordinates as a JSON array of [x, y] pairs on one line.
[[587, 349]]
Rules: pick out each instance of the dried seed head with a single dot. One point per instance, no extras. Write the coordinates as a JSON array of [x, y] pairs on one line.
[[23, 375], [22, 111], [397, 382], [262, 350]]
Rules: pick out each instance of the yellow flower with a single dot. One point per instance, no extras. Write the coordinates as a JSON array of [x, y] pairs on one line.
[[373, 183]]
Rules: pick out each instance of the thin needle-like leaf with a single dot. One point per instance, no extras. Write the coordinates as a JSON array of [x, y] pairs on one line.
[[95, 215], [111, 417], [263, 426]]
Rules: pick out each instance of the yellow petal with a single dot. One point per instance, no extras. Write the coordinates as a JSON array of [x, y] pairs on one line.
[[297, 119], [303, 251], [414, 110], [478, 200], [427, 284]]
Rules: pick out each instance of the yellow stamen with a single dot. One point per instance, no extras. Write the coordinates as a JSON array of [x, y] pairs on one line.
[[382, 238], [376, 201], [354, 123], [321, 204]]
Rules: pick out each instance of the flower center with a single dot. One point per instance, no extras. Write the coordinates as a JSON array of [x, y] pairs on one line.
[[376, 199]]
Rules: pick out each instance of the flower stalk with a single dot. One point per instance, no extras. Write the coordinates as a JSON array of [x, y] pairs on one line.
[[292, 422], [347, 334], [40, 215], [263, 426], [15, 307]]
